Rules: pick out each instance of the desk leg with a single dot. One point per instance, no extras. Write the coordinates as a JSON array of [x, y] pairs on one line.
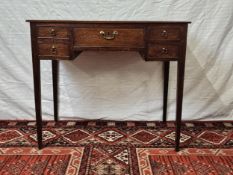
[[166, 65], [179, 99], [37, 93], [55, 67]]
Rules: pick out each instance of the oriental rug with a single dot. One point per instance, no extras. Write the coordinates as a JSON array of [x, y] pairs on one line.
[[116, 148], [122, 161]]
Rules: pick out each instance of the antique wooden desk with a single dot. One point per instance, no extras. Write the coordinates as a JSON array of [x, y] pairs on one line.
[[65, 40]]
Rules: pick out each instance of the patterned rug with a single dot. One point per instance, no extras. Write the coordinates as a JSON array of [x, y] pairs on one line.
[[195, 164], [48, 161], [152, 161], [116, 148], [39, 164]]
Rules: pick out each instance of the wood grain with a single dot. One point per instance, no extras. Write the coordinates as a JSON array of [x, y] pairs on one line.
[[87, 37], [166, 32], [157, 51], [45, 49], [154, 40], [56, 32]]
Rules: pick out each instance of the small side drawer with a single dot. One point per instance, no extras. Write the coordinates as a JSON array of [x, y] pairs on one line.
[[165, 32], [57, 32], [109, 37], [166, 51], [58, 50]]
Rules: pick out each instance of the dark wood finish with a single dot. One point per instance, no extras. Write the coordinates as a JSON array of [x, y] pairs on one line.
[[179, 90], [154, 40], [169, 51], [179, 99], [166, 67], [50, 32], [107, 22], [86, 37], [55, 67], [165, 32], [37, 86], [56, 50]]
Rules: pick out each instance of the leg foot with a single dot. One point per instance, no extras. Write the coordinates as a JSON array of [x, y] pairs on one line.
[[37, 94], [179, 100]]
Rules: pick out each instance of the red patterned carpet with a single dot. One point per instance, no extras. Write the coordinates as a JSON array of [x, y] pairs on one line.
[[116, 148], [39, 164]]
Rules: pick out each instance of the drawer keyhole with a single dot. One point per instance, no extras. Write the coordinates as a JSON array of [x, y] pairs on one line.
[[164, 50], [54, 50], [53, 32], [164, 34]]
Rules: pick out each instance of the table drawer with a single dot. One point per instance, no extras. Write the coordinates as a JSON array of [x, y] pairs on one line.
[[163, 51], [53, 50], [165, 32], [109, 37], [57, 32]]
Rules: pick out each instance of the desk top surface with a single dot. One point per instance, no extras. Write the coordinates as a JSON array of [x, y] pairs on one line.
[[117, 22]]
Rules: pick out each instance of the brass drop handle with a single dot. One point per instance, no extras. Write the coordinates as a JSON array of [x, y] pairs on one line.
[[108, 35], [54, 49], [53, 32], [164, 33], [164, 50]]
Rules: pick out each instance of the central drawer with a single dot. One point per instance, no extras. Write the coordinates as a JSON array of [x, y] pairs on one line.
[[109, 37]]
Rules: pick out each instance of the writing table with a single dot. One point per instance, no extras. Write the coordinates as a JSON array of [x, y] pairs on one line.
[[64, 40]]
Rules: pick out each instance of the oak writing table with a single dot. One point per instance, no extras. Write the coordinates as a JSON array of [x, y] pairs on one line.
[[64, 40]]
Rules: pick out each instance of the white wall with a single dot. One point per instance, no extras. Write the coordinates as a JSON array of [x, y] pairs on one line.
[[115, 85]]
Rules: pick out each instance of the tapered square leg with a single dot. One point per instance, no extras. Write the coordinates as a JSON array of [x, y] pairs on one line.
[[55, 75], [37, 94], [179, 98], [166, 66]]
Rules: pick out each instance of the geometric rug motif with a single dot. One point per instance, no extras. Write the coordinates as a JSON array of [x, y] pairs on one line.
[[118, 133], [24, 161], [110, 135], [194, 164], [46, 135], [122, 161], [183, 137], [76, 136], [123, 156], [116, 148], [212, 137], [39, 164], [107, 162], [9, 135], [153, 161], [144, 136]]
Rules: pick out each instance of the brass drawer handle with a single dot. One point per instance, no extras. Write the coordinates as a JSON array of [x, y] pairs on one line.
[[53, 49], [53, 32], [164, 50], [108, 35], [164, 34]]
